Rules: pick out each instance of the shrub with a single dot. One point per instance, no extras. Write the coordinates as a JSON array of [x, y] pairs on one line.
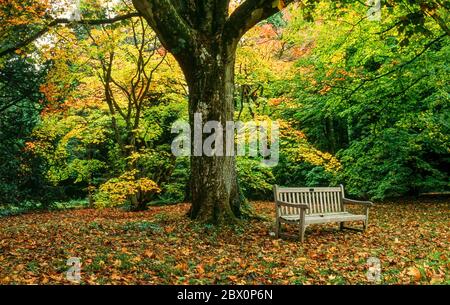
[[255, 179], [119, 191]]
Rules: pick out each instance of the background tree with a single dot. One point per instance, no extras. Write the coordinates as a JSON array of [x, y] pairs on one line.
[[121, 72], [375, 96], [20, 104]]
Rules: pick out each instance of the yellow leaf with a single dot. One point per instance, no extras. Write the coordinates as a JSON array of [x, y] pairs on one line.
[[56, 277], [182, 266], [300, 260], [435, 280], [149, 254], [115, 276], [281, 4], [117, 263]]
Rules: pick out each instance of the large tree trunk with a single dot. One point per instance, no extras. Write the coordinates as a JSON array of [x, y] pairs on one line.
[[203, 36], [214, 188]]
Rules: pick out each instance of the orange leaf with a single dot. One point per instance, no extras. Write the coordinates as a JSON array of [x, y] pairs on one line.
[[232, 278], [414, 272], [20, 267], [200, 269]]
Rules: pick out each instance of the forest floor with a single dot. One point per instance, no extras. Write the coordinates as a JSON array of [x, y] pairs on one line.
[[161, 246]]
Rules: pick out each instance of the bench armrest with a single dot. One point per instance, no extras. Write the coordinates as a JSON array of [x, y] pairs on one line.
[[358, 202], [292, 205]]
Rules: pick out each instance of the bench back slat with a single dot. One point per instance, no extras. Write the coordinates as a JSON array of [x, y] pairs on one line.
[[320, 200]]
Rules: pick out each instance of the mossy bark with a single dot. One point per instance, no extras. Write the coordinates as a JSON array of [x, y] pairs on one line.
[[214, 188]]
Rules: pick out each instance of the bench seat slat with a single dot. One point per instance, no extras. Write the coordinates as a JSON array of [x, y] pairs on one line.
[[326, 218]]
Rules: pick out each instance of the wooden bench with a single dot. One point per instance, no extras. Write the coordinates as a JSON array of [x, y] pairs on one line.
[[305, 206]]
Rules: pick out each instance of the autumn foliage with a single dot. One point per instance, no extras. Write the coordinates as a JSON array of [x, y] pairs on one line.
[[86, 168]]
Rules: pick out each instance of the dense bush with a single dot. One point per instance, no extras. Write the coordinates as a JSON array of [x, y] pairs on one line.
[[176, 188], [255, 179], [296, 174]]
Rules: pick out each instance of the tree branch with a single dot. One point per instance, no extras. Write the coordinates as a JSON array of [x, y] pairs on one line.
[[397, 68], [248, 14], [165, 19], [59, 21]]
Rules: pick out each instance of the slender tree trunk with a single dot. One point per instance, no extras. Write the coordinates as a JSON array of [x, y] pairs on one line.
[[90, 187], [214, 188], [137, 200]]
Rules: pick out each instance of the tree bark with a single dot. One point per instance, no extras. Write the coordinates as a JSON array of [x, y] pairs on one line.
[[214, 188]]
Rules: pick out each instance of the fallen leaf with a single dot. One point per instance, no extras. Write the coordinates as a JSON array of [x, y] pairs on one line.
[[414, 272]]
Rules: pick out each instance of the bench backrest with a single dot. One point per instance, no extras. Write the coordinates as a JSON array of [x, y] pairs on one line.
[[320, 200]]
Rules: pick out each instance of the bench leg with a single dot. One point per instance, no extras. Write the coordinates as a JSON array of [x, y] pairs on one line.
[[366, 222], [302, 234], [277, 228], [341, 226]]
